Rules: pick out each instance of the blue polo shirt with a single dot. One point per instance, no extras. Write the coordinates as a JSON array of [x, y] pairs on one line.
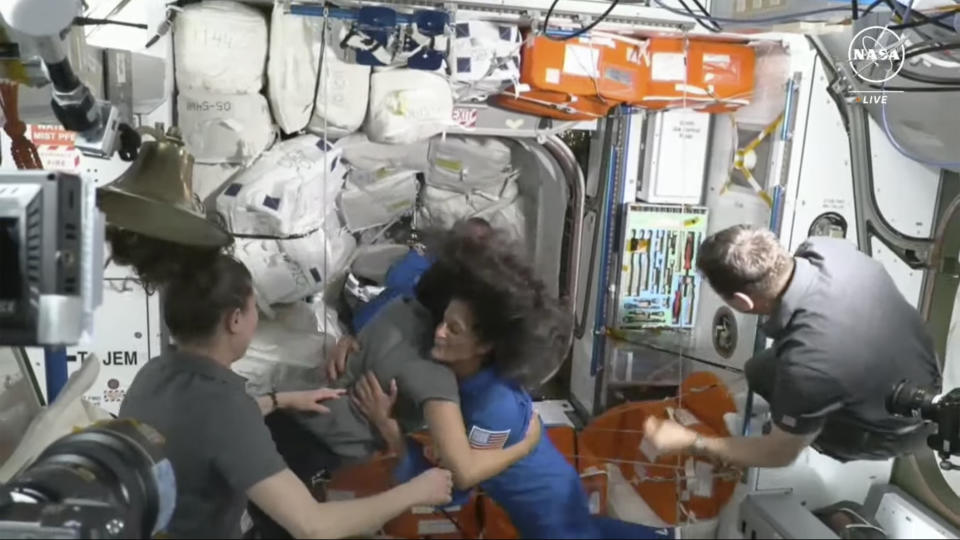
[[542, 493]]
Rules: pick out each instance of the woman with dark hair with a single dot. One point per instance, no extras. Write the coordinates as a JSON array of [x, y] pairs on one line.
[[500, 332], [216, 439]]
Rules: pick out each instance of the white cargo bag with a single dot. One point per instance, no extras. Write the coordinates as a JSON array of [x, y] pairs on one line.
[[504, 210], [288, 344], [221, 46], [288, 191], [484, 57], [378, 199], [365, 155], [408, 105], [292, 72], [342, 97], [465, 163], [291, 270], [208, 179], [225, 128]]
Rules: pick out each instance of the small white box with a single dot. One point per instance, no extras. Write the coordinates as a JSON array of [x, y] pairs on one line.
[[675, 162]]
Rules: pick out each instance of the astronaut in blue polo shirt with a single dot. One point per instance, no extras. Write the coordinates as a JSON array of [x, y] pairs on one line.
[[498, 330], [403, 275]]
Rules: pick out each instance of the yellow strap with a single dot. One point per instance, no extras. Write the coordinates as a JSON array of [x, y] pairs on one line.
[[12, 70]]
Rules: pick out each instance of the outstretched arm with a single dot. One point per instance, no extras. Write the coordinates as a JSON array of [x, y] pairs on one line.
[[778, 449]]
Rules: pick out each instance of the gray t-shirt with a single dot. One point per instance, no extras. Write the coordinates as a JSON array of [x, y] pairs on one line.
[[394, 345], [216, 440], [843, 337]]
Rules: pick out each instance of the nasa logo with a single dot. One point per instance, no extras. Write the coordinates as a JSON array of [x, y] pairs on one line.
[[876, 54]]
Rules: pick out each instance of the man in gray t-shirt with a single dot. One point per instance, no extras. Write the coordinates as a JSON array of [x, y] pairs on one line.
[[843, 336], [394, 346]]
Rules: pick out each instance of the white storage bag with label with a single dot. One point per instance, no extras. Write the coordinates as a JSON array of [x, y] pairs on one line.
[[295, 45], [502, 208], [408, 105], [221, 46], [377, 198], [289, 190], [366, 155], [293, 269], [464, 163], [484, 57], [225, 128]]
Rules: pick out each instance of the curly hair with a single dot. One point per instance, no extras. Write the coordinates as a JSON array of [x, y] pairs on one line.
[[157, 262], [529, 329]]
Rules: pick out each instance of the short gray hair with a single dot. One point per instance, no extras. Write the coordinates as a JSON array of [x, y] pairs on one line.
[[743, 259]]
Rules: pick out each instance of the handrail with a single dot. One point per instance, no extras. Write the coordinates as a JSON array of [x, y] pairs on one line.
[[578, 187]]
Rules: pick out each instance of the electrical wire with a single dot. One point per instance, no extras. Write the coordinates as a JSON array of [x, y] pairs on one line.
[[905, 16], [87, 21], [918, 49], [581, 31], [712, 27], [921, 22], [776, 19]]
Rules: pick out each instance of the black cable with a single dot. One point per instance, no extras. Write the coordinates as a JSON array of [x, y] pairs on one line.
[[713, 27], [908, 89], [922, 22], [87, 21], [917, 50], [855, 7], [580, 32], [924, 19], [928, 79], [316, 82]]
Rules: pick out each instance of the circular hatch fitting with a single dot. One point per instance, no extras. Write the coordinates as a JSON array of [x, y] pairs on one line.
[[829, 224], [724, 332]]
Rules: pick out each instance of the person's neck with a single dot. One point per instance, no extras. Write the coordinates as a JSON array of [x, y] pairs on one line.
[[216, 351], [467, 368], [781, 287]]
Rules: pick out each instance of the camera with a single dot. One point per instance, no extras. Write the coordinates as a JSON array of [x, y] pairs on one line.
[[110, 480], [910, 399]]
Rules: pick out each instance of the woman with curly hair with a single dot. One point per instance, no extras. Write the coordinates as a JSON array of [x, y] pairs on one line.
[[500, 332]]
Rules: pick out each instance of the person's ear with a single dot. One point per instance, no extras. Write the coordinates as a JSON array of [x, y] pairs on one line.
[[234, 321], [742, 303]]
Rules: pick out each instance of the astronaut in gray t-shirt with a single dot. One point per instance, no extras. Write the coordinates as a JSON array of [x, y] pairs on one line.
[[394, 346]]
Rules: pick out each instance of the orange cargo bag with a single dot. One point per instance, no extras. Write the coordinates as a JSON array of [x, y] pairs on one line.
[[603, 66], [704, 75], [554, 104]]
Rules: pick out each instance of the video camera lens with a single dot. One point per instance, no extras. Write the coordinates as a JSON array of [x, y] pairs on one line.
[[110, 480], [910, 399]]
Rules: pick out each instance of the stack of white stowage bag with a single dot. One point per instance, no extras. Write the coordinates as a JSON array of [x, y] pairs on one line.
[[221, 52]]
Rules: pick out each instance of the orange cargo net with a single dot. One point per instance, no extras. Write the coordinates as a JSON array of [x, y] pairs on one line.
[[24, 152], [710, 76], [604, 66], [676, 488]]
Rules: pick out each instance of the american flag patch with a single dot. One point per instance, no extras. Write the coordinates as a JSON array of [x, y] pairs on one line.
[[483, 439]]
